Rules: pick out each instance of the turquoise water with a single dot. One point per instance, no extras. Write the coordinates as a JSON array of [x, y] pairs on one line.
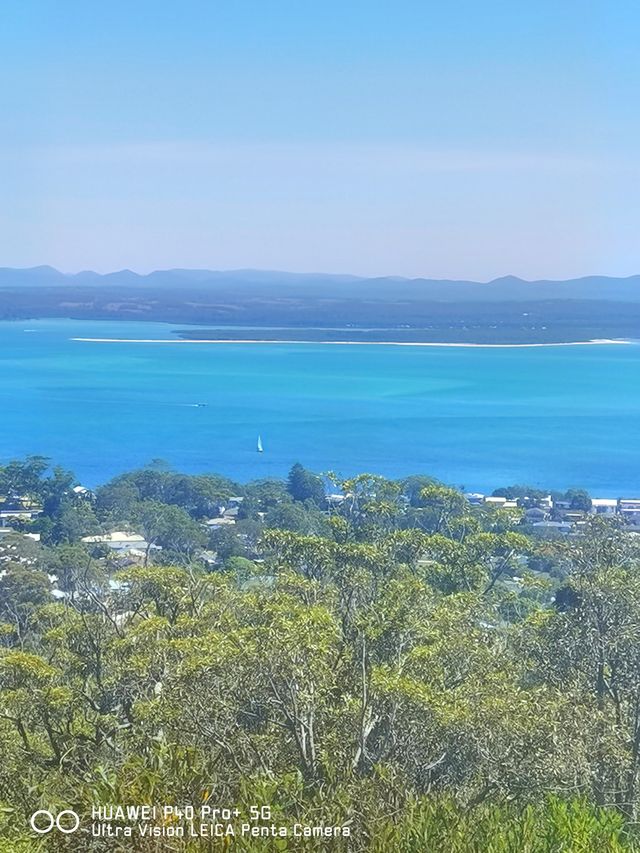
[[555, 416]]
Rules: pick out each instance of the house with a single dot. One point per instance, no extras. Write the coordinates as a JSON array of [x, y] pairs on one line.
[[214, 523], [558, 526], [133, 557], [574, 516], [629, 509], [335, 500], [84, 493], [500, 502], [564, 510], [475, 498], [560, 505], [19, 513], [119, 541], [7, 531], [535, 514], [209, 559], [604, 506]]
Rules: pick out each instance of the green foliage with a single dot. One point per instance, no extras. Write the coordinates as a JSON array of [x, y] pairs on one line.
[[554, 825], [199, 496], [526, 494], [303, 485], [169, 527], [397, 664], [579, 499], [262, 496], [298, 517]]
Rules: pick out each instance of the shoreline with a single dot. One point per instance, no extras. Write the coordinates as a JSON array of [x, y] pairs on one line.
[[220, 341]]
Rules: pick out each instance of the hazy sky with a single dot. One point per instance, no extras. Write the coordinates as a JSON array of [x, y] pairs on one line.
[[444, 139]]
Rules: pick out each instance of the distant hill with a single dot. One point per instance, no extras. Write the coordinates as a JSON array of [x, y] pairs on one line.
[[252, 282], [504, 310]]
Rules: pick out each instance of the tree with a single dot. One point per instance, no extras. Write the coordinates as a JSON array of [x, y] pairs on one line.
[[299, 518], [72, 520], [443, 506], [261, 496], [303, 485], [527, 495], [169, 527], [589, 649], [579, 499], [226, 543], [392, 676], [22, 590], [23, 478], [413, 486], [117, 500]]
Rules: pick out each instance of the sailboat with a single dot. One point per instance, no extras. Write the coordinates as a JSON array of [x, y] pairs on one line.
[[260, 447]]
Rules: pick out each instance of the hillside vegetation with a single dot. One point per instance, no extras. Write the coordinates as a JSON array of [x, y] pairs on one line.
[[396, 662]]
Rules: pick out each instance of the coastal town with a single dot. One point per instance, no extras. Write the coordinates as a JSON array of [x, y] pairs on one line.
[[228, 525], [561, 513]]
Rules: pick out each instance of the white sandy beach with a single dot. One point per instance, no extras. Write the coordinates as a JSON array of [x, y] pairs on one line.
[[594, 342]]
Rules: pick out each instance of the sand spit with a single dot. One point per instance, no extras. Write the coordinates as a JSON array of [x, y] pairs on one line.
[[595, 341]]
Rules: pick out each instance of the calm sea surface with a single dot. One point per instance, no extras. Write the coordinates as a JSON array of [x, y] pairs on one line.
[[555, 416]]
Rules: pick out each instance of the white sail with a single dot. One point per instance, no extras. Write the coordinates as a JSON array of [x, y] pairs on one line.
[[260, 448]]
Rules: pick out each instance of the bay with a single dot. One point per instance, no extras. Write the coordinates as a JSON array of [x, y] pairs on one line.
[[556, 416]]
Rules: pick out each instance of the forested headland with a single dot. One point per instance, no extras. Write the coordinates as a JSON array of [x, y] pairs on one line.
[[371, 654], [312, 307]]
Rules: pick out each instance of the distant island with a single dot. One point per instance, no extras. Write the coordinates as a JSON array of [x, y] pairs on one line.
[[315, 307]]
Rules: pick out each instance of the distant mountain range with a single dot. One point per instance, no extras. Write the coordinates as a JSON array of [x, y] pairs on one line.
[[504, 310], [260, 282]]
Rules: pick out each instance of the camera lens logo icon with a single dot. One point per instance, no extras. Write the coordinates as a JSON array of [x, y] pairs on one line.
[[43, 821]]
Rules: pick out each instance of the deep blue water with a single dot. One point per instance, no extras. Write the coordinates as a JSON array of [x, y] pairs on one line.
[[556, 416]]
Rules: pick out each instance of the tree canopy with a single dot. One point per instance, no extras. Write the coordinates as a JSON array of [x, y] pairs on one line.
[[400, 663]]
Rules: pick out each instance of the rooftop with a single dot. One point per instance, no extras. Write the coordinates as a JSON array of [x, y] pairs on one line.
[[116, 536]]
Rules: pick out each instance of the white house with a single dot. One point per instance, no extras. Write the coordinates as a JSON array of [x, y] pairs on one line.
[[220, 522], [604, 506], [474, 498], [629, 509], [19, 514], [118, 541]]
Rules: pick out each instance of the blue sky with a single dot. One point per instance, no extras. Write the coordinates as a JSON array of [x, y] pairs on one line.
[[458, 139]]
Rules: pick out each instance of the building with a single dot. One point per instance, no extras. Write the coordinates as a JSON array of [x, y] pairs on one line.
[[335, 500], [83, 492], [604, 506], [19, 514], [475, 498], [535, 514], [501, 503], [557, 526], [629, 509], [119, 541], [8, 531]]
